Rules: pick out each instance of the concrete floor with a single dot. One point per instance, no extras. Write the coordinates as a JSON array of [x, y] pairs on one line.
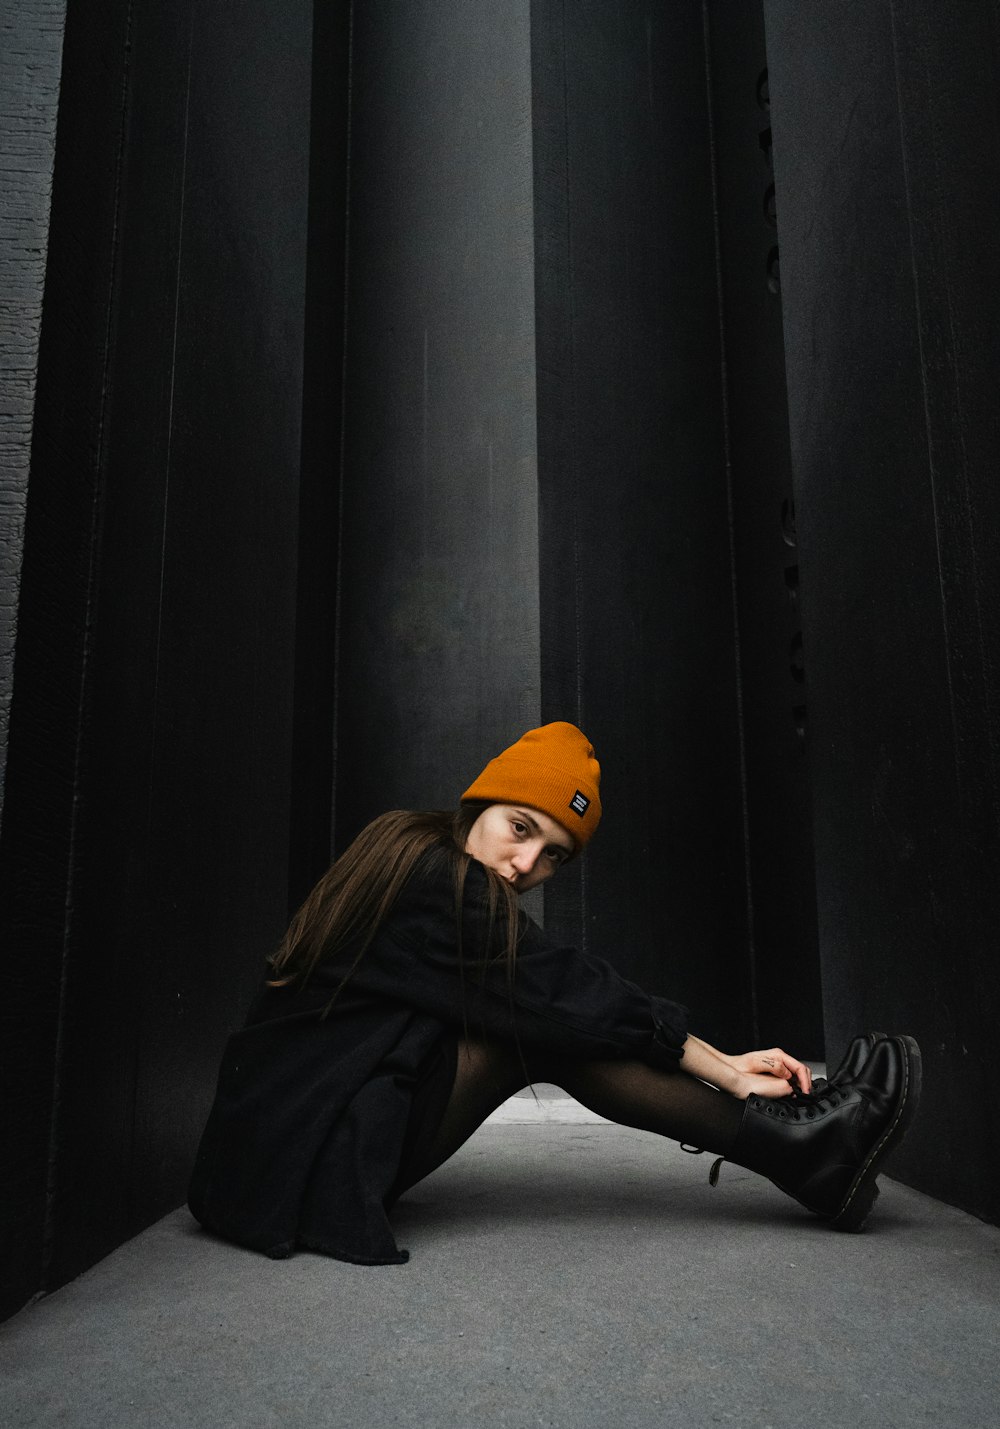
[[563, 1273]]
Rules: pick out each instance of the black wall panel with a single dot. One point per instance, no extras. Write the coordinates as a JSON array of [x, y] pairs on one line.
[[51, 616], [773, 668], [185, 833], [635, 562], [156, 662], [886, 161], [438, 628]]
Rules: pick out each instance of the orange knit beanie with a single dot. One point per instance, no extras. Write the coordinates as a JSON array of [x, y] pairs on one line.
[[552, 769]]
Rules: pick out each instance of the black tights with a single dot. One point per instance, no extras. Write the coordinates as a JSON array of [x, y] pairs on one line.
[[671, 1104]]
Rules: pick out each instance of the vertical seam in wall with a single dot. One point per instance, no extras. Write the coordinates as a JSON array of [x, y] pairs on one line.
[[137, 1037], [570, 356], [571, 352], [51, 1172], [989, 668], [954, 370], [170, 424], [925, 395], [727, 457], [342, 476], [534, 349]]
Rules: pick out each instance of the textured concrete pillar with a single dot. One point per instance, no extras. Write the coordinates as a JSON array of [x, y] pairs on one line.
[[31, 39]]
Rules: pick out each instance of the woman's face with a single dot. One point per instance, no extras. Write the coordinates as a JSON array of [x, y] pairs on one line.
[[520, 843]]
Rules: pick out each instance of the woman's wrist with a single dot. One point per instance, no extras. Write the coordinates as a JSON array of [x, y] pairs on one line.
[[703, 1061], [723, 1056], [733, 1081]]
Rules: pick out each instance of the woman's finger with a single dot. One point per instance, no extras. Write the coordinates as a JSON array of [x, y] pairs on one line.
[[768, 1086], [798, 1071]]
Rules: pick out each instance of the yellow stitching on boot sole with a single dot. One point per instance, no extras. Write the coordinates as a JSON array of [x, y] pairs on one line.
[[861, 1174]]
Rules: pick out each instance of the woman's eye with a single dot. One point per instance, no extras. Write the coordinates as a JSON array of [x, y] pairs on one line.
[[519, 828], [555, 854]]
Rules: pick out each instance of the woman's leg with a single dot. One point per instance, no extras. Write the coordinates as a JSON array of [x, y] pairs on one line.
[[671, 1104], [825, 1150], [486, 1074]]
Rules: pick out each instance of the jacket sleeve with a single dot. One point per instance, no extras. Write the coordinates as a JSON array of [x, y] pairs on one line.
[[555, 998]]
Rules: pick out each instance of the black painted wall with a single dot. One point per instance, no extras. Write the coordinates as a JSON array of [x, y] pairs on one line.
[[887, 160], [50, 599], [150, 790], [773, 688], [437, 653], [509, 215], [638, 623]]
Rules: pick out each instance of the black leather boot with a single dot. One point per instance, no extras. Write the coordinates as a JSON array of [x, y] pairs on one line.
[[854, 1059], [827, 1148]]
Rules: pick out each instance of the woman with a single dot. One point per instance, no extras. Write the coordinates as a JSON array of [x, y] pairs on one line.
[[410, 997]]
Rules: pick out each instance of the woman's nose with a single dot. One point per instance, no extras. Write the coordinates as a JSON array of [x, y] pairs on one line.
[[525, 859]]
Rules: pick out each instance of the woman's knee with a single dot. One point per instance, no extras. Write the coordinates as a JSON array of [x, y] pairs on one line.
[[493, 1063]]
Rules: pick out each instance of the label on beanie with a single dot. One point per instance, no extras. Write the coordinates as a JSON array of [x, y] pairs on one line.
[[579, 803]]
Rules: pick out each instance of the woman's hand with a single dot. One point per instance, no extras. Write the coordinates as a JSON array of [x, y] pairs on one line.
[[774, 1073]]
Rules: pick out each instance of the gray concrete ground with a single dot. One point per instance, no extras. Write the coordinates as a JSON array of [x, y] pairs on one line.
[[566, 1274]]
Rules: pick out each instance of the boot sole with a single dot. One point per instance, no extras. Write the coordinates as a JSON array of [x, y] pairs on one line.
[[864, 1192]]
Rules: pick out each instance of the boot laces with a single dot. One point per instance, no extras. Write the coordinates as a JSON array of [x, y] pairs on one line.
[[716, 1167], [821, 1099], [798, 1106]]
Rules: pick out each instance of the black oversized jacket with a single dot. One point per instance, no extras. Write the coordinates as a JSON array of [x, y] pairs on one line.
[[304, 1139]]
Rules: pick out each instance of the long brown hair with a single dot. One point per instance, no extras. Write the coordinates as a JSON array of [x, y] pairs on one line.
[[354, 897]]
